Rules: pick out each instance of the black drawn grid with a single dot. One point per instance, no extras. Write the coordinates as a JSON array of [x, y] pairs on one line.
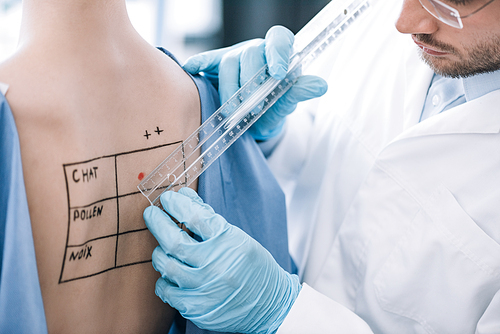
[[96, 230]]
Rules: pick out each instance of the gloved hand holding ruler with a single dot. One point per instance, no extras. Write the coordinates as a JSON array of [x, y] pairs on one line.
[[231, 120]]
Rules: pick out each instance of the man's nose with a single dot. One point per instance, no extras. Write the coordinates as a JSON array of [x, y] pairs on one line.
[[414, 19]]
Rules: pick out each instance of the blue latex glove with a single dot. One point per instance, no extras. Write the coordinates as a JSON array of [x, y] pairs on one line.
[[227, 282], [234, 66]]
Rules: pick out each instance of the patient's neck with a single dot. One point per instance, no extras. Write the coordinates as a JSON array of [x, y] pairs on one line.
[[69, 23]]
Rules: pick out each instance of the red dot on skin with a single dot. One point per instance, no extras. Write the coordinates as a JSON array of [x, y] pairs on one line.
[[141, 176]]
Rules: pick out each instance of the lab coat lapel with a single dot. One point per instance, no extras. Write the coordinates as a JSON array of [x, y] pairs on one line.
[[481, 116], [478, 116]]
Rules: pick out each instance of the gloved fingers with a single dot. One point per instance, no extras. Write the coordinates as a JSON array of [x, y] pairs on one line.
[[208, 61], [271, 123], [163, 289], [188, 302], [191, 194], [182, 271], [204, 62], [279, 46], [171, 238], [251, 61], [229, 75], [229, 69], [198, 217], [184, 300], [306, 87]]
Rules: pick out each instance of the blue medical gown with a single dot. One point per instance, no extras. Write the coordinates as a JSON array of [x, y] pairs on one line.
[[21, 308], [238, 185]]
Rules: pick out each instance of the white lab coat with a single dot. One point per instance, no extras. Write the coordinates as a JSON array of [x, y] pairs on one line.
[[395, 224]]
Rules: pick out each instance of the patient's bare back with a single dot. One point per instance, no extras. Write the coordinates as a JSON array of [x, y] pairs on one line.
[[91, 128]]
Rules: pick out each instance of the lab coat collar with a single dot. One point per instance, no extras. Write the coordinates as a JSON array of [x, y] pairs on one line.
[[480, 116], [481, 84]]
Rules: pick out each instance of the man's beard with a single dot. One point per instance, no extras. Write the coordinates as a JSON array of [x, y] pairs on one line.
[[482, 57]]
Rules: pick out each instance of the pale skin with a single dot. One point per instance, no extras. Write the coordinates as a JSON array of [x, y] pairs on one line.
[[450, 51], [84, 85]]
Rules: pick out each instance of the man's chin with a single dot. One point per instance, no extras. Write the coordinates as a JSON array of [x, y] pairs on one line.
[[445, 70], [452, 69]]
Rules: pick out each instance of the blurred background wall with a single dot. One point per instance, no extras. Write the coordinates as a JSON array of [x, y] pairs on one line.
[[187, 27], [252, 18]]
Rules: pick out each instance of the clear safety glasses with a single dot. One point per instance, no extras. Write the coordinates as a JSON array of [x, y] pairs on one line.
[[448, 14]]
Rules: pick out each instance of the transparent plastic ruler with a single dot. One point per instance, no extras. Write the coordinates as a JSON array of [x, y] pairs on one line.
[[231, 120]]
